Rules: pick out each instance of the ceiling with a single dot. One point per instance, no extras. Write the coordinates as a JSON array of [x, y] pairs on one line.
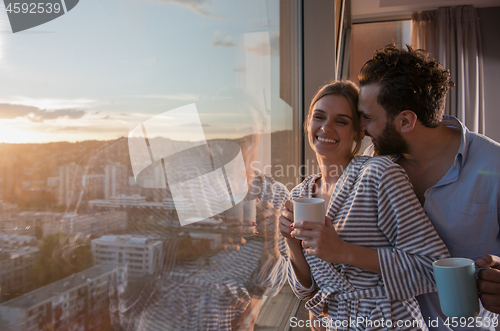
[[375, 9]]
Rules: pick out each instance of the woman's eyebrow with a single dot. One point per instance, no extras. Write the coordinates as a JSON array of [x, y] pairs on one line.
[[343, 115], [319, 110], [324, 112]]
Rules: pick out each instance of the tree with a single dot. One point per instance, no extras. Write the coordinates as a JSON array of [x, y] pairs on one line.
[[60, 256]]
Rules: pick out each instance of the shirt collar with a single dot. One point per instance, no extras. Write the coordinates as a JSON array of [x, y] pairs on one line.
[[454, 124]]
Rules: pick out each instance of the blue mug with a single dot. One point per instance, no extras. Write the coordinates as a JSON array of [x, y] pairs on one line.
[[456, 280]]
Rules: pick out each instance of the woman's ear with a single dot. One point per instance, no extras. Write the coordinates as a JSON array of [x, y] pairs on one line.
[[407, 121]]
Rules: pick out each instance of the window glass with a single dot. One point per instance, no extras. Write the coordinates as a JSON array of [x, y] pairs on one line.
[[368, 37], [143, 126]]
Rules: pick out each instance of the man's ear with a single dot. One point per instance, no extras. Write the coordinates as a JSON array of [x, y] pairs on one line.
[[407, 120]]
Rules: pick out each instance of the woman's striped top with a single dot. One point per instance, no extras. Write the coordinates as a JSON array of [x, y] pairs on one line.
[[373, 205]]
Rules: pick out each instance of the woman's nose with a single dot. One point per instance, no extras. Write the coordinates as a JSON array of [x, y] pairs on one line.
[[327, 126]]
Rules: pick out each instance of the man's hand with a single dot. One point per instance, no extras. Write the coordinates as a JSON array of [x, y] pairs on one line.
[[488, 282]]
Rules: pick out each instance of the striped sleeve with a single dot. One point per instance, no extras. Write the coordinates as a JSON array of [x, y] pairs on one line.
[[302, 292], [407, 266]]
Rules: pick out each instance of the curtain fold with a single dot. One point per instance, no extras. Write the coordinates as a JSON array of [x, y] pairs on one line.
[[452, 36]]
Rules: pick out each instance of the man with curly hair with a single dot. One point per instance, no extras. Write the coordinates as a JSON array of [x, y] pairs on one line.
[[455, 173]]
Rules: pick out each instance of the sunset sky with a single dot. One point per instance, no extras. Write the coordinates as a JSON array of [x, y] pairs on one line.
[[106, 66]]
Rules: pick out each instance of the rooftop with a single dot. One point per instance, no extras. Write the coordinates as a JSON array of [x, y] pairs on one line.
[[125, 239], [43, 294]]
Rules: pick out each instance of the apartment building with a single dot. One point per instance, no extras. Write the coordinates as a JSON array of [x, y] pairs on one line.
[[8, 216], [67, 177], [115, 179], [143, 255], [78, 302], [7, 210], [15, 266]]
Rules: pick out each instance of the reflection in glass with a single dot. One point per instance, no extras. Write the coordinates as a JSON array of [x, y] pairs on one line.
[[217, 271], [91, 218]]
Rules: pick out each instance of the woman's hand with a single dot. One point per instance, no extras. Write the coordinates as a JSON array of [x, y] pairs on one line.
[[321, 240], [299, 263], [235, 229], [286, 223], [231, 243]]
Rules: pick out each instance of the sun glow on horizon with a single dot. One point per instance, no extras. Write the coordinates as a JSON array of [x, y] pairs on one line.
[[10, 134], [23, 132]]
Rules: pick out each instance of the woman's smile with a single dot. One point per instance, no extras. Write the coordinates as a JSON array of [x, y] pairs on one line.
[[326, 140]]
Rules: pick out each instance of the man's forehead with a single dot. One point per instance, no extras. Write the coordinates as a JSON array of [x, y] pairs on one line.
[[369, 92], [368, 97]]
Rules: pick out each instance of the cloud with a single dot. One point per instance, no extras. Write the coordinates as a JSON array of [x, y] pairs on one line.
[[52, 103], [179, 96], [240, 69], [190, 125], [198, 6], [35, 114], [266, 49], [218, 42]]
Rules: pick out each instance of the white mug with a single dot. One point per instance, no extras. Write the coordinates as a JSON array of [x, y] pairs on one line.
[[309, 209]]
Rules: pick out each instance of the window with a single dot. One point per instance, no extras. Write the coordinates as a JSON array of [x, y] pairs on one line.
[[367, 37], [76, 89]]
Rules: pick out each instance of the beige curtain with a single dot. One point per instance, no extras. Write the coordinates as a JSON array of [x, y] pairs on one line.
[[452, 36]]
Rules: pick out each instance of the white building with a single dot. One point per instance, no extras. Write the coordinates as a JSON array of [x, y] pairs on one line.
[[67, 182], [77, 302], [96, 224], [115, 179], [144, 256], [74, 223]]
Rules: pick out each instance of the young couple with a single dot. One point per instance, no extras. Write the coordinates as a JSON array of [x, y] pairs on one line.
[[364, 268]]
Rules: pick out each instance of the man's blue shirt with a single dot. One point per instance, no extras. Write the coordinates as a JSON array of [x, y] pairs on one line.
[[464, 205], [464, 208]]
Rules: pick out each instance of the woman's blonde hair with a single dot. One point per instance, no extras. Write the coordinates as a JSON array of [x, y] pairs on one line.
[[348, 90]]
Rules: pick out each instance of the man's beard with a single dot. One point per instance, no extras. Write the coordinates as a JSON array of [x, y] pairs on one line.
[[390, 142]]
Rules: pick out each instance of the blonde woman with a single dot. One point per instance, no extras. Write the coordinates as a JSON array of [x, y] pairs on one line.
[[363, 268]]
